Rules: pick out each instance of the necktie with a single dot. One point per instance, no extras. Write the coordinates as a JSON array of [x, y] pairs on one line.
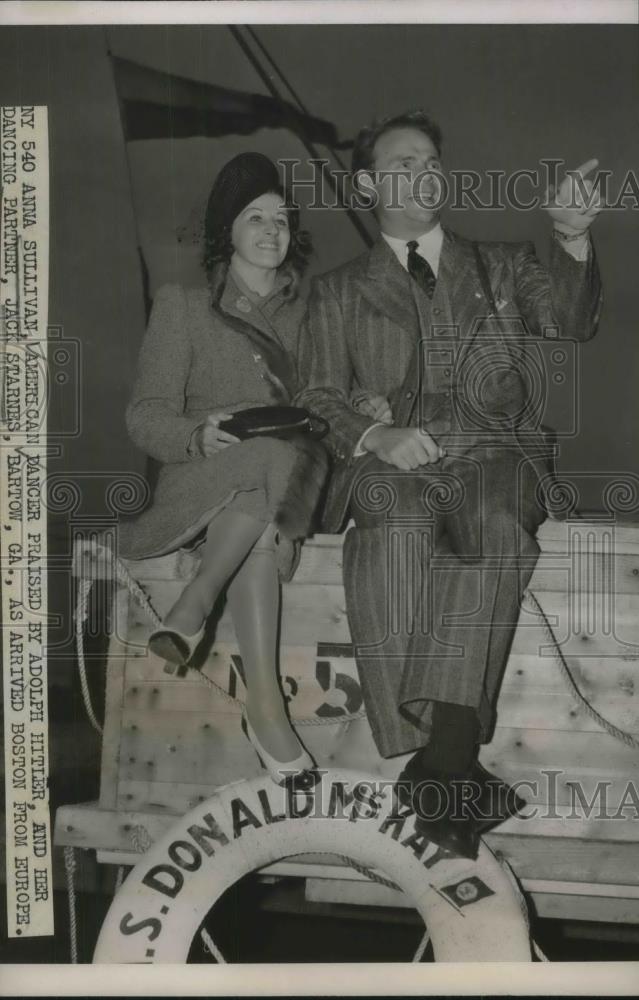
[[420, 269]]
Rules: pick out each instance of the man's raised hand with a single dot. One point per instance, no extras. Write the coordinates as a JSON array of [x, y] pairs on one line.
[[404, 447], [576, 203]]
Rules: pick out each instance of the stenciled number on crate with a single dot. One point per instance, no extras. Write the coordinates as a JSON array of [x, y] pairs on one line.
[[331, 681], [289, 684], [344, 695]]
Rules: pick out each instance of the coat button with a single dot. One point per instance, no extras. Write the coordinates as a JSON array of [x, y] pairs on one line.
[[446, 371], [409, 395], [436, 311], [243, 304]]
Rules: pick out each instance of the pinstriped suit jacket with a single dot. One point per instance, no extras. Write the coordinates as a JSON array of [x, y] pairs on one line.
[[366, 317]]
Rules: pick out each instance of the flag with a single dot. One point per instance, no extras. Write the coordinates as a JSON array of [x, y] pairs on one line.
[[158, 105], [468, 890]]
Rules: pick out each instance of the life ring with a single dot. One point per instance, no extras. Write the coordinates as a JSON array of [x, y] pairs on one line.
[[473, 909]]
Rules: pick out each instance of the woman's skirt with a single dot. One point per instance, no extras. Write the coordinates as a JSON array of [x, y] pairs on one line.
[[273, 481]]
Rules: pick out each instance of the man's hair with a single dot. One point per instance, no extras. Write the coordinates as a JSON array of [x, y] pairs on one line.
[[364, 149]]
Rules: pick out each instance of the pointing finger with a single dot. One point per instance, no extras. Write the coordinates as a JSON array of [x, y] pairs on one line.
[[586, 168]]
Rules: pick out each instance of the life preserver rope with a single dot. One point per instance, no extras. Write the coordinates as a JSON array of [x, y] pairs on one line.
[[473, 910]]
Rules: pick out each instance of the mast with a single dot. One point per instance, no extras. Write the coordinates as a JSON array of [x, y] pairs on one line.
[[310, 147]]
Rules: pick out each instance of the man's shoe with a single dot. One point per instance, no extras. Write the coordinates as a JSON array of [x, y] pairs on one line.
[[408, 778], [497, 800], [459, 836], [440, 817]]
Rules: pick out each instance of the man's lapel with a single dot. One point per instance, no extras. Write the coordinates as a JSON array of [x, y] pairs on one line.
[[458, 299], [387, 286], [459, 293]]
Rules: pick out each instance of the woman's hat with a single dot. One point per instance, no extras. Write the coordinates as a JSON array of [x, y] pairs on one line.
[[239, 182]]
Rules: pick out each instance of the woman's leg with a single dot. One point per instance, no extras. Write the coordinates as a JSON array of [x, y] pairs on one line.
[[254, 601], [230, 536]]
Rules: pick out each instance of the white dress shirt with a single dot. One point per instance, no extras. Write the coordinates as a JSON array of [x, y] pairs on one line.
[[429, 245]]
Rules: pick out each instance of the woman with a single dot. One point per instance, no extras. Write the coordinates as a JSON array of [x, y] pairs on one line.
[[208, 353]]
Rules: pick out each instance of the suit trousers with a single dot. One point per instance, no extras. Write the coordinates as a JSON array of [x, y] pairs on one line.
[[434, 571]]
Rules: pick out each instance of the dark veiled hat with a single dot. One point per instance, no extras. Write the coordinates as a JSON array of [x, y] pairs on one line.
[[239, 182]]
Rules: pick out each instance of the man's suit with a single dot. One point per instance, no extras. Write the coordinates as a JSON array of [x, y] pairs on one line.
[[455, 538]]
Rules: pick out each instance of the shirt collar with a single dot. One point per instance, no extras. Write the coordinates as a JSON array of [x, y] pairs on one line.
[[429, 245]]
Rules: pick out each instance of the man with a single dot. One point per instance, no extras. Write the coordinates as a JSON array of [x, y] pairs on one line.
[[446, 501]]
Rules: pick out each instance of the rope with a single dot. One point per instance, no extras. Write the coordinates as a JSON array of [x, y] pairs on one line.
[[571, 684], [124, 577], [368, 872], [523, 906], [421, 948], [81, 615], [140, 838], [119, 879], [538, 952], [70, 865], [210, 946]]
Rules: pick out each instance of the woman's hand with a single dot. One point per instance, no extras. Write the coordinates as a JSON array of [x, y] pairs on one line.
[[375, 407], [210, 438]]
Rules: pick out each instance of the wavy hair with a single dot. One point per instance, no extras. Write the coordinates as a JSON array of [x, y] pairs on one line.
[[218, 250], [363, 157]]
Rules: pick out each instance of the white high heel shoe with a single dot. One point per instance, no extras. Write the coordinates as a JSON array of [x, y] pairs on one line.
[[281, 772], [174, 646]]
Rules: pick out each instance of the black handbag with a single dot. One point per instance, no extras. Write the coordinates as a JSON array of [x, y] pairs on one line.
[[274, 421]]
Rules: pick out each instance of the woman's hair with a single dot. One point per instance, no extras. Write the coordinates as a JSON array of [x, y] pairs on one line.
[[218, 250]]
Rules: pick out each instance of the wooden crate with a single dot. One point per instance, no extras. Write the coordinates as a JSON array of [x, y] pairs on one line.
[[170, 741]]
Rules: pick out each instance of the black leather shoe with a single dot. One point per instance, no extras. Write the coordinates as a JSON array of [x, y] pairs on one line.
[[440, 812], [497, 800], [412, 775], [459, 836]]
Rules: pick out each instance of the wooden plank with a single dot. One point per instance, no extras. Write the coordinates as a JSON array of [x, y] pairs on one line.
[[614, 678], [321, 559], [182, 759], [170, 796], [167, 748], [526, 706], [596, 851], [572, 751], [608, 684], [559, 571], [573, 859], [554, 571], [323, 551], [206, 748], [557, 711], [547, 905], [88, 826], [555, 906], [318, 613], [556, 536], [599, 794]]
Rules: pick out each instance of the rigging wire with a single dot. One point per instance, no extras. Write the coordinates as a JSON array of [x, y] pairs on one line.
[[310, 148]]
